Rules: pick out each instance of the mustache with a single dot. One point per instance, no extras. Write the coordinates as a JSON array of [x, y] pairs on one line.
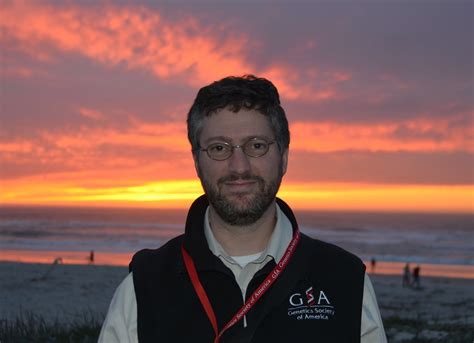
[[243, 177]]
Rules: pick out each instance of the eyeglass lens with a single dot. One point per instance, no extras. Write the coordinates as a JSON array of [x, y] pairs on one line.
[[254, 148]]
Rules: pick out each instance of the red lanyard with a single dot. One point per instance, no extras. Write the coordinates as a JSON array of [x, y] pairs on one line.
[[269, 280]]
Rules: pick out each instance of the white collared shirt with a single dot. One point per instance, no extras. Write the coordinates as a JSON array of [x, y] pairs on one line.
[[279, 240], [120, 324]]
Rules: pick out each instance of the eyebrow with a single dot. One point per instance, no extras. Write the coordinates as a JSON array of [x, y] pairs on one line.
[[229, 140], [217, 138]]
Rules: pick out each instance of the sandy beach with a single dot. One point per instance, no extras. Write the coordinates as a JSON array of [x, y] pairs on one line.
[[438, 311], [66, 293]]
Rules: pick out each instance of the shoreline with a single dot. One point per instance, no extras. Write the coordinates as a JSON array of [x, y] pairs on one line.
[[123, 259]]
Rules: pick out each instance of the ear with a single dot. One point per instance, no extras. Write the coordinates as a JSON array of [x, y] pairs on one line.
[[284, 162]]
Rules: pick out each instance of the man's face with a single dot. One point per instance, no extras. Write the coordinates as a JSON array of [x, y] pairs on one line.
[[241, 188]]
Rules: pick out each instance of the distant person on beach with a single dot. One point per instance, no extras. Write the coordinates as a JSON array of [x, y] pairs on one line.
[[91, 257], [406, 276], [416, 277], [373, 263], [242, 271]]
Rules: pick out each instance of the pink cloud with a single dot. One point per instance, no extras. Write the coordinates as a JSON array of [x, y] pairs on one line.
[[168, 136], [140, 38], [315, 86], [414, 135], [91, 113], [99, 149], [137, 36]]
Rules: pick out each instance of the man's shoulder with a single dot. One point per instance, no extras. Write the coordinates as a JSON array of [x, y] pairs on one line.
[[152, 259], [318, 249]]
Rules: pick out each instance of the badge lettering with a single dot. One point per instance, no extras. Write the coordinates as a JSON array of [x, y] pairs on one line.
[[303, 305]]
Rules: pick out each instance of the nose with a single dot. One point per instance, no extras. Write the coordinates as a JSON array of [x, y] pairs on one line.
[[239, 162]]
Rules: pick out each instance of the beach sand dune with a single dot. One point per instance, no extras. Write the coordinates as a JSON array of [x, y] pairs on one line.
[[66, 293]]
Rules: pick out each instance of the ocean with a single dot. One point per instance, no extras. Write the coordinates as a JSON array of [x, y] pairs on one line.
[[431, 238]]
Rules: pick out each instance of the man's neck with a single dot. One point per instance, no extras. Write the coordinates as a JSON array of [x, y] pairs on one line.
[[243, 240]]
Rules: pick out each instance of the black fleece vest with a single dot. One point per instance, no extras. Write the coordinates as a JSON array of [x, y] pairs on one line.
[[318, 296]]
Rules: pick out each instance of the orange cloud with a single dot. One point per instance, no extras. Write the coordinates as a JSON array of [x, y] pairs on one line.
[[20, 146], [140, 38], [137, 36], [169, 136], [133, 148], [142, 149], [410, 135]]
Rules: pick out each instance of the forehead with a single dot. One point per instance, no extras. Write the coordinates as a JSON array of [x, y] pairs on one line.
[[236, 126]]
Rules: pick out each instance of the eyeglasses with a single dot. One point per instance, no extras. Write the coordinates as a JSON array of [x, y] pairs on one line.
[[254, 147]]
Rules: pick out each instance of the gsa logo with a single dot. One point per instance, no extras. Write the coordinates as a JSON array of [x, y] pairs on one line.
[[308, 298], [310, 306]]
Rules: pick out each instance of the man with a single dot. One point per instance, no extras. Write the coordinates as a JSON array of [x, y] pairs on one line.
[[406, 276], [242, 271]]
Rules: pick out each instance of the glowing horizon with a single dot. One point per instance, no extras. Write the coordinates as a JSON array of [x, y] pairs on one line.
[[301, 196]]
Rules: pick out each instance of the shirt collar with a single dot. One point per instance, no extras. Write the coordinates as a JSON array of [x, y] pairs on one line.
[[279, 240]]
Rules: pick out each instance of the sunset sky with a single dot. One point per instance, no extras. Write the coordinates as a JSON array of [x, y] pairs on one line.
[[379, 96]]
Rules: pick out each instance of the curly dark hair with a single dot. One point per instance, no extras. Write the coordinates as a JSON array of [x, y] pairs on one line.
[[234, 93]]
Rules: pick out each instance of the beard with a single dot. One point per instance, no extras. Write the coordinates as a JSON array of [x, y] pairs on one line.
[[247, 208]]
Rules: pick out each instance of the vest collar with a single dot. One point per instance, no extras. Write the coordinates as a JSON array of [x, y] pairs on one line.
[[195, 241]]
